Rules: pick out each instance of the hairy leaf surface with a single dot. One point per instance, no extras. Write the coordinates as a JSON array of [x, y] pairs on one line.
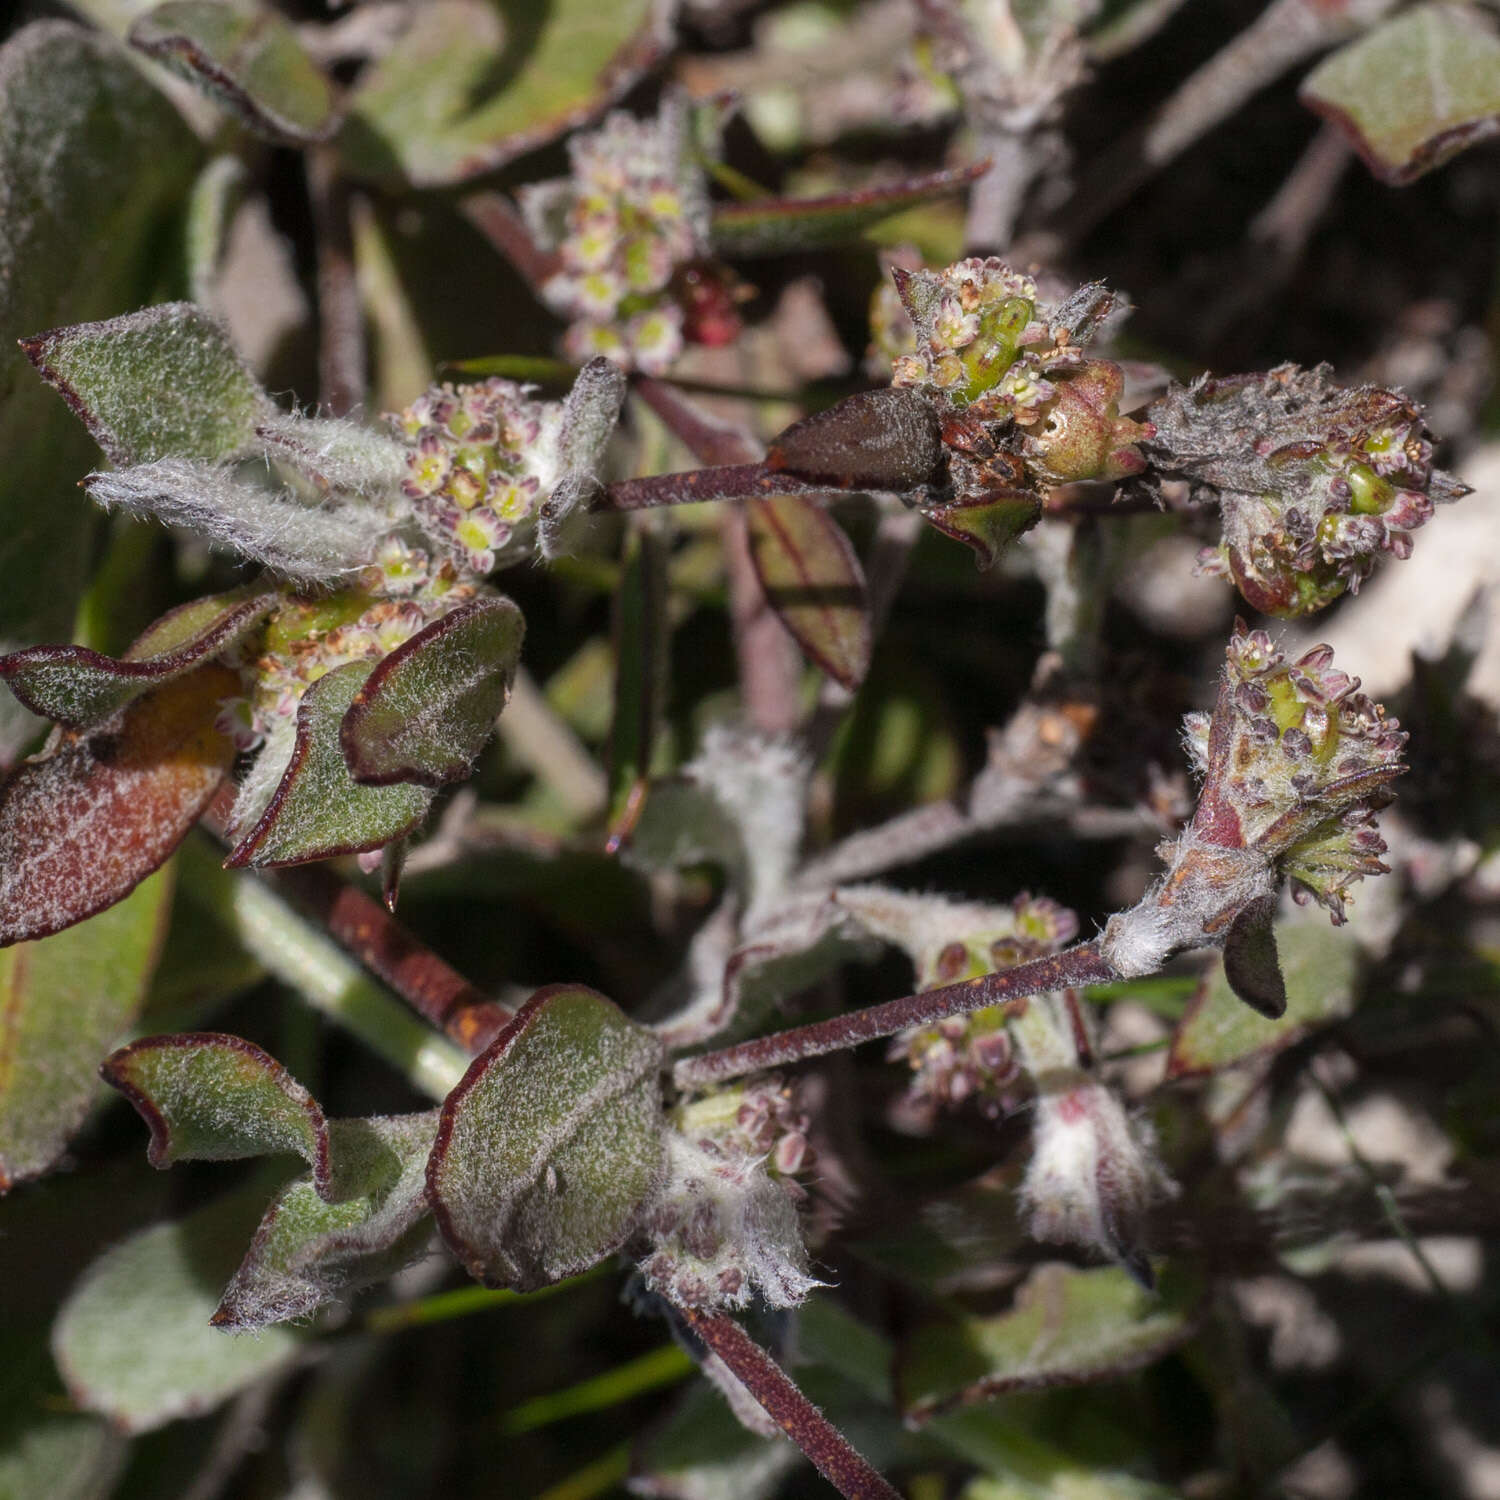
[[551, 1146]]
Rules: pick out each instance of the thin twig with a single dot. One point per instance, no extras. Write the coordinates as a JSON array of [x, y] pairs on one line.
[[727, 482], [1082, 965], [366, 930], [836, 1460], [495, 217], [341, 328]]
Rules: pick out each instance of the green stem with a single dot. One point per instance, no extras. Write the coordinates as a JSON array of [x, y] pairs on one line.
[[464, 1301], [654, 1369], [300, 955]]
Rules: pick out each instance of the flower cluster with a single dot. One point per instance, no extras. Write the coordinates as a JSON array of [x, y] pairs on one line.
[[1296, 762], [481, 459], [725, 1225], [970, 1057], [627, 226], [1314, 481], [989, 347]]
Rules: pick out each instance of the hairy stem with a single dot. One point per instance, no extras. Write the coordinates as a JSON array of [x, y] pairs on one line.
[[836, 1460], [1077, 966], [495, 217]]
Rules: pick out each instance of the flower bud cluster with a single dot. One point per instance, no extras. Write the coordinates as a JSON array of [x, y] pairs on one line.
[[989, 348], [626, 226], [1296, 762], [401, 593], [1314, 481], [970, 1057], [725, 1225], [481, 460]]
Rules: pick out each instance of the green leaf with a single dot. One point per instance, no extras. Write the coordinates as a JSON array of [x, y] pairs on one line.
[[316, 1243], [246, 57], [81, 826], [551, 1147], [1415, 91], [1321, 968], [84, 140], [79, 687], [550, 69], [47, 1450], [1067, 1327], [164, 382], [428, 708], [133, 1339], [814, 583], [207, 1096], [319, 810], [63, 1000], [778, 226], [987, 526]]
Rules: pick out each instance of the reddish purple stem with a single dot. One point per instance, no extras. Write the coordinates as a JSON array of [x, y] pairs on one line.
[[837, 1461], [1078, 966]]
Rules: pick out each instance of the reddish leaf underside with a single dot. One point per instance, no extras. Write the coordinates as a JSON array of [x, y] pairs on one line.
[[814, 582], [84, 823]]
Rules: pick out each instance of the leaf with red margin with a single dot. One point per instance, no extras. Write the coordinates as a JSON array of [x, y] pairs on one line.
[[208, 1096], [84, 823], [421, 111], [988, 525], [1414, 91], [776, 226], [80, 688], [1068, 1326], [313, 1246], [319, 810], [551, 1148], [63, 1001], [247, 58], [164, 382], [814, 583], [428, 708]]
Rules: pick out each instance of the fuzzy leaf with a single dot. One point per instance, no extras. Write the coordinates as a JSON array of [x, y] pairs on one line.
[[133, 1340], [590, 415], [63, 1000], [314, 1244], [780, 225], [1067, 1327], [559, 65], [550, 1147], [79, 687], [84, 139], [1415, 91], [814, 582], [888, 439], [428, 708], [81, 826], [246, 57], [312, 543], [319, 810], [164, 382], [1321, 967], [207, 1096], [1251, 964], [988, 526]]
